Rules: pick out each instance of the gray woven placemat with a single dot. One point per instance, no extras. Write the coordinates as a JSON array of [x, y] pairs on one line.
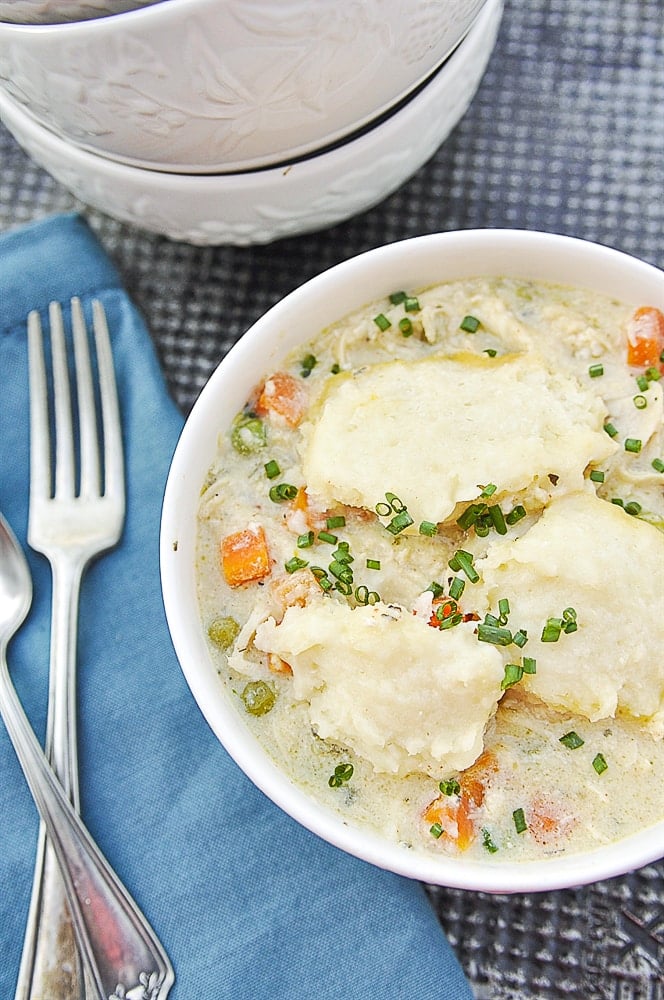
[[567, 135]]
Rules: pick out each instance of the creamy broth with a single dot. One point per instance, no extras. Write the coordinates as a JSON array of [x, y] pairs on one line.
[[431, 566]]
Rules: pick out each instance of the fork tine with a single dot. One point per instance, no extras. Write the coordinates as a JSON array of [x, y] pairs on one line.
[[87, 416], [64, 435], [40, 462], [113, 458]]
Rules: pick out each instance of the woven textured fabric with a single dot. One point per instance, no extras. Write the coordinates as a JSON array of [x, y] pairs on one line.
[[566, 134]]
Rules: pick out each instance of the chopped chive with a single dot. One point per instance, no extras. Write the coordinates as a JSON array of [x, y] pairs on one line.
[[495, 634], [396, 298], [383, 509], [450, 622], [272, 469], [658, 464], [339, 521], [344, 587], [640, 402], [653, 374], [503, 609], [282, 492], [491, 352], [596, 370], [305, 541], [325, 536], [411, 304], [599, 763], [597, 476], [373, 563], [487, 841], [341, 571], [642, 382], [457, 587], [406, 327], [633, 508], [436, 589], [571, 740], [610, 430], [469, 516], [470, 324], [382, 322], [295, 563], [395, 503], [436, 830], [488, 490], [519, 818], [520, 638], [335, 369], [513, 674], [552, 629], [399, 522], [633, 445], [618, 502], [482, 526], [516, 514], [428, 528], [449, 786], [498, 519], [365, 596], [322, 578], [463, 560], [529, 664]]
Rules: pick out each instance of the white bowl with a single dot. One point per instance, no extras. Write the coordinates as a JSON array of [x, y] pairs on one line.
[[263, 205], [205, 86], [61, 11], [315, 305]]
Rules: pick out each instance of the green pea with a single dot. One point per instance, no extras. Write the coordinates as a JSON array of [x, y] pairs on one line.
[[248, 433], [258, 698], [223, 632]]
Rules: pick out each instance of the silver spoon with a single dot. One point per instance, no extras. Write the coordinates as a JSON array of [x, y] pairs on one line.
[[122, 956]]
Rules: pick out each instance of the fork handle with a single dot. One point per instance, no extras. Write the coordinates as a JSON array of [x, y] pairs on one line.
[[120, 951], [51, 966]]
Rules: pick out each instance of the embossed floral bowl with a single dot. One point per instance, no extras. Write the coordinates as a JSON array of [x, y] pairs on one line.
[[263, 205], [317, 304], [203, 86], [60, 11]]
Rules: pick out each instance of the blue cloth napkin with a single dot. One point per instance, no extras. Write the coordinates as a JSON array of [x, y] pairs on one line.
[[246, 903]]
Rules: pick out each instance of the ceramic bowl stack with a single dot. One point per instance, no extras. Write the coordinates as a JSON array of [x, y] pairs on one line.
[[242, 122]]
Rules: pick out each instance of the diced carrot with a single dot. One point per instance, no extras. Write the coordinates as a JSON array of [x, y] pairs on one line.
[[277, 665], [244, 556], [474, 779], [456, 814], [453, 814], [284, 395], [645, 338], [548, 820]]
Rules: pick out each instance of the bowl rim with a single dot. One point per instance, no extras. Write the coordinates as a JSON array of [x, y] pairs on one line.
[[320, 301]]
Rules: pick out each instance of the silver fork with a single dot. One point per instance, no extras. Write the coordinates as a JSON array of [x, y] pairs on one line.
[[76, 513]]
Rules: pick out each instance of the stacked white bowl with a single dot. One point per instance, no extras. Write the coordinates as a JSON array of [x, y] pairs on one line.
[[241, 122]]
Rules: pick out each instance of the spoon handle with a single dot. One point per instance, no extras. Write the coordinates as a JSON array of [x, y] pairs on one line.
[[119, 949]]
